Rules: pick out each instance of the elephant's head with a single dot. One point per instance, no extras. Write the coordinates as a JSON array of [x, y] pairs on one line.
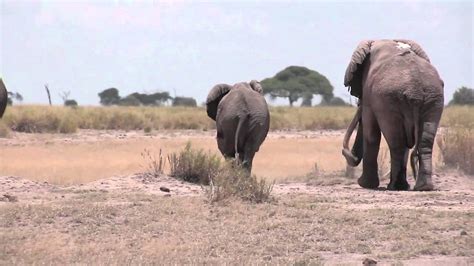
[[220, 90], [355, 69], [3, 98]]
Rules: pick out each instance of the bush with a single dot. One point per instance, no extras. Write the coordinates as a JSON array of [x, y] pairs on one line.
[[194, 165], [71, 103], [226, 180], [232, 181], [457, 149]]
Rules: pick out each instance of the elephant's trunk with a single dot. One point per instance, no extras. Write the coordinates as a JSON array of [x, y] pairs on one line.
[[3, 98], [351, 159]]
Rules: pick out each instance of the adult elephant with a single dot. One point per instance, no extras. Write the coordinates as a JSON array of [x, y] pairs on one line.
[[401, 95], [3, 98], [242, 119]]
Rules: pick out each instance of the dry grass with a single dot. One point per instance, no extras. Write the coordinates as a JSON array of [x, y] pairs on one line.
[[154, 164], [457, 148], [89, 156], [112, 228], [72, 160], [59, 119], [458, 116]]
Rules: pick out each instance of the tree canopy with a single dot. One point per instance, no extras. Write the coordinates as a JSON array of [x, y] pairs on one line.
[[463, 96], [112, 97], [14, 96], [184, 101], [296, 82], [154, 99], [109, 96]]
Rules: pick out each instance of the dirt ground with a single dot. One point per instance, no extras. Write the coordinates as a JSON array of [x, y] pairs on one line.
[[321, 218]]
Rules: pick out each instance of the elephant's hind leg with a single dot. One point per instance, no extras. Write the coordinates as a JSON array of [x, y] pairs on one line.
[[392, 126], [371, 131]]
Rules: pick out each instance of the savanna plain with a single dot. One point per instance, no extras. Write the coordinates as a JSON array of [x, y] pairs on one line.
[[94, 185]]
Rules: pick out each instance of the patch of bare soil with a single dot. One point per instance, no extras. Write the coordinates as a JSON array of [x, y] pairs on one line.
[[136, 220]]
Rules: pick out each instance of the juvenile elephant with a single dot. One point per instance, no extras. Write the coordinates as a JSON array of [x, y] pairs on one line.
[[242, 119], [401, 95]]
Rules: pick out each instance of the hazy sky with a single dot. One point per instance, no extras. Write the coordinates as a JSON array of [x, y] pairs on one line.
[[189, 46]]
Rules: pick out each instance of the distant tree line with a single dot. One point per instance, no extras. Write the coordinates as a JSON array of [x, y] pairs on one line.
[[112, 96]]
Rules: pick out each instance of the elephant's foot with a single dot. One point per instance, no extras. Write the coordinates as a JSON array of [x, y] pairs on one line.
[[423, 184], [400, 184], [371, 183]]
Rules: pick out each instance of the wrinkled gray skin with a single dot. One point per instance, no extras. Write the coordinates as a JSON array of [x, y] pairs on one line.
[[3, 98], [401, 96], [242, 119]]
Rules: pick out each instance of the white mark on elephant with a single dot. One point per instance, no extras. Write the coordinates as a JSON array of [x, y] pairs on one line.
[[402, 46]]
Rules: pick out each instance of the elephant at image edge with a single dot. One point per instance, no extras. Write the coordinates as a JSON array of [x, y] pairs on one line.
[[242, 119], [3, 98], [401, 95]]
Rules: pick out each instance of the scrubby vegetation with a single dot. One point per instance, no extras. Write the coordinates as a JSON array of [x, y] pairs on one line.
[[225, 179], [194, 165], [233, 181], [56, 119]]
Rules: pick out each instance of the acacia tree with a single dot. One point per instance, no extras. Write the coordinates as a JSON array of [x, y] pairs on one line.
[[109, 96], [296, 82], [154, 99]]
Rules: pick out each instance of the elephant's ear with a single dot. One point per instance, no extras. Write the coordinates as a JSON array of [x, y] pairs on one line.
[[256, 86], [214, 97], [416, 48], [353, 76]]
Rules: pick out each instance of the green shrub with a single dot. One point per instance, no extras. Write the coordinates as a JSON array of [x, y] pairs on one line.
[[225, 180], [194, 165]]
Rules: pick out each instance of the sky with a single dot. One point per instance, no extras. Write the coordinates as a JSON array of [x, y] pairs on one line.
[[186, 47]]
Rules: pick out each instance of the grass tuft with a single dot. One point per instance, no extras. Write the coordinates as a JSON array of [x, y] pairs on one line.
[[232, 181], [154, 164]]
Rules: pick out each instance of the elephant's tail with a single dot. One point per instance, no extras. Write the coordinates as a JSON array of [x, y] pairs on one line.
[[414, 154], [242, 120]]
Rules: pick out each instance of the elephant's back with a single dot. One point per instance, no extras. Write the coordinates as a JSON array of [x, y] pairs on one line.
[[403, 74], [245, 102]]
